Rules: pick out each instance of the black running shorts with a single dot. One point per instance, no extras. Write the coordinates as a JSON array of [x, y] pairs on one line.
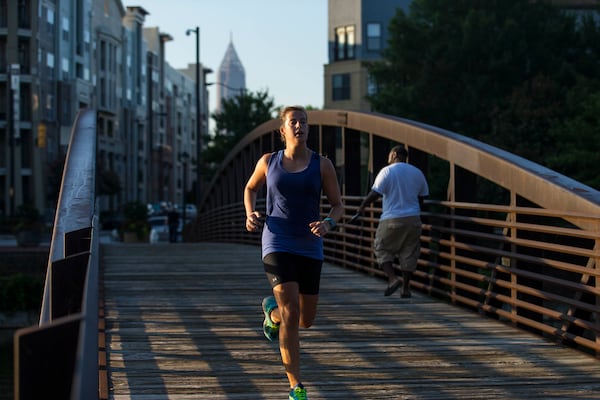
[[287, 267]]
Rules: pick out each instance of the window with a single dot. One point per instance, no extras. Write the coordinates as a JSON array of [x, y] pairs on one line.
[[350, 42], [3, 63], [371, 86], [340, 87], [23, 55], [344, 43], [50, 60], [102, 93], [49, 102], [65, 29], [103, 56], [3, 14], [23, 17], [79, 70], [374, 36]]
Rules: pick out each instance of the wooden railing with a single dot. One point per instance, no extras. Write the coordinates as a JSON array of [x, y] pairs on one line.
[[530, 257], [526, 266], [59, 358]]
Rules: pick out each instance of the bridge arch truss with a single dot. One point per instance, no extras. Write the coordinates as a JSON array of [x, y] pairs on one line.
[[502, 235]]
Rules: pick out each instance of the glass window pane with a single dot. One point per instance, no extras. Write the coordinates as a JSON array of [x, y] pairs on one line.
[[374, 36], [373, 30], [350, 40], [340, 43], [341, 87]]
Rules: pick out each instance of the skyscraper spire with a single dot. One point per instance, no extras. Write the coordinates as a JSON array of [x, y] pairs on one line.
[[231, 77]]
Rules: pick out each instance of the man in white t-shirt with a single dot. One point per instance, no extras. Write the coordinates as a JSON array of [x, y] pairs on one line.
[[403, 188]]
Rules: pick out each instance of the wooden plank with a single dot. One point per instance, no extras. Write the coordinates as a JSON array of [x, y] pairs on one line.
[[184, 321]]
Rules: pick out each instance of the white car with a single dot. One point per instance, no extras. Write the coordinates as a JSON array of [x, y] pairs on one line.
[[159, 228]]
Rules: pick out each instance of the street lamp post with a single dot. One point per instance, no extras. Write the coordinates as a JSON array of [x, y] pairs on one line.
[[196, 31]]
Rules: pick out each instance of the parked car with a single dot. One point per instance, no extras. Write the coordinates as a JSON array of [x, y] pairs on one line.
[[191, 211], [159, 228]]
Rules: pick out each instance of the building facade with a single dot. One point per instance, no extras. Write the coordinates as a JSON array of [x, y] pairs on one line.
[[58, 56], [357, 32], [134, 112], [20, 109]]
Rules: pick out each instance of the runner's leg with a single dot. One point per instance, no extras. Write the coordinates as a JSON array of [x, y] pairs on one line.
[[288, 300]]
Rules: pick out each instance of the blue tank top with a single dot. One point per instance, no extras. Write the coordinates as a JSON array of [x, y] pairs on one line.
[[293, 201]]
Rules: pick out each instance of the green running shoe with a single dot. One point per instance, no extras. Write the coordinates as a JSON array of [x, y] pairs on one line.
[[270, 328], [298, 393]]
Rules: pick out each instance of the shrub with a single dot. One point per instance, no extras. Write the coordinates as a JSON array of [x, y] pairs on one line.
[[20, 292]]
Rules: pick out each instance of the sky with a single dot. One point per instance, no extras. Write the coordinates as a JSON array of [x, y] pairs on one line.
[[282, 44]]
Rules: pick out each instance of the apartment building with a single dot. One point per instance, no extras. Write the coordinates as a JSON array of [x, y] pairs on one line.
[[57, 57], [358, 32]]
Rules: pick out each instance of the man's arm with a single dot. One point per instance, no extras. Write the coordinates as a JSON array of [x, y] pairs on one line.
[[371, 197]]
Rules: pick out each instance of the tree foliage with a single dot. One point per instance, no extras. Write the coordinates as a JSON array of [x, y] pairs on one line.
[[108, 181], [577, 153], [238, 116], [507, 72]]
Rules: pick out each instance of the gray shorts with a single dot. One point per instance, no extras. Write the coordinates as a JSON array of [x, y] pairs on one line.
[[399, 238]]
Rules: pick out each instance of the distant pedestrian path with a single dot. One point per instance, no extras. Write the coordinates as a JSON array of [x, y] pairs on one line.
[[183, 321]]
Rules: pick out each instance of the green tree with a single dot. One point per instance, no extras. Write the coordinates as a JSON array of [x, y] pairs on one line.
[[239, 116], [577, 154], [498, 71], [109, 182]]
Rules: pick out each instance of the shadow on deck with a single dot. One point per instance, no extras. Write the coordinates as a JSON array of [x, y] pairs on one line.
[[184, 321]]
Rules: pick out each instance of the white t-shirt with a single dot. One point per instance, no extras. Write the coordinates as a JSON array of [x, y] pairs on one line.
[[400, 184]]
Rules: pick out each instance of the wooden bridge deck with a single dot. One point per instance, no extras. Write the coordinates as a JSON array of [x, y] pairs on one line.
[[183, 321]]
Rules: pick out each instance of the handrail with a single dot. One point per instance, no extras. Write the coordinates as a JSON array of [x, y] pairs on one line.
[[76, 197], [59, 357], [530, 260]]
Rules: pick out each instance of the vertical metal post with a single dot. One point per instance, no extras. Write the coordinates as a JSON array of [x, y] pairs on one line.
[[196, 31], [150, 132], [198, 120]]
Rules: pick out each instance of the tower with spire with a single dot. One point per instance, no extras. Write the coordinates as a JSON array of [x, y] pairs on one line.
[[231, 77]]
